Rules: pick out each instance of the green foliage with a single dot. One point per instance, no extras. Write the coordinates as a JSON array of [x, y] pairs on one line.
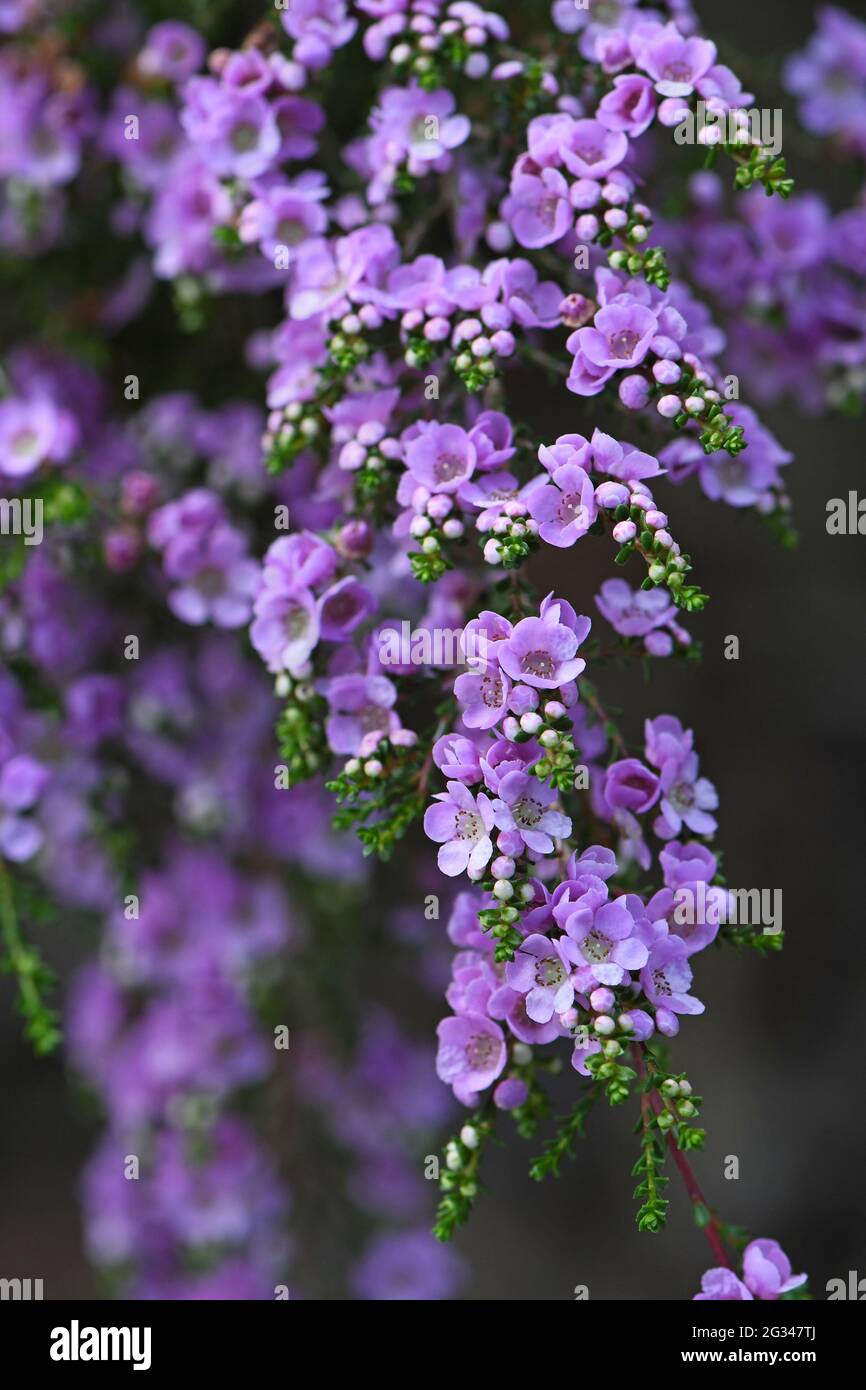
[[459, 1177], [561, 1146], [21, 960], [652, 1213], [380, 808]]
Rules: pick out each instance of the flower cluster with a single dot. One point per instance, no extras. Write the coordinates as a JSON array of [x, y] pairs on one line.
[[394, 247]]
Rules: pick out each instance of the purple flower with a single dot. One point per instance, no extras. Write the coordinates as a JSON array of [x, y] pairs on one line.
[[534, 303], [523, 806], [542, 651], [541, 970], [510, 1005], [344, 607], [630, 786], [633, 612], [302, 560], [690, 863], [407, 1265], [361, 707], [414, 124], [767, 1270], [283, 216], [23, 779], [461, 824], [630, 107], [540, 212], [33, 432], [666, 977], [566, 509], [172, 51], [237, 134], [619, 337], [318, 28], [686, 799], [510, 1094], [458, 758], [471, 1054], [766, 1275], [590, 150], [441, 457], [605, 941], [285, 630], [829, 77], [483, 696], [675, 63], [665, 738], [722, 1286]]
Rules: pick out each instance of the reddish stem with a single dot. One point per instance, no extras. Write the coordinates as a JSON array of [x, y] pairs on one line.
[[711, 1229]]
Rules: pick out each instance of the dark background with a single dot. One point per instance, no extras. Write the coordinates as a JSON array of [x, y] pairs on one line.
[[779, 1054]]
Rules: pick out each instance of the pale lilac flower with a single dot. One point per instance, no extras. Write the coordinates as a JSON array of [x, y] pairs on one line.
[[686, 799], [630, 786], [767, 1270], [318, 28], [604, 934], [620, 336], [461, 824], [411, 123], [667, 976], [630, 107], [172, 51], [539, 209], [344, 607], [472, 1054], [458, 758], [566, 508], [541, 970], [483, 696], [675, 63], [523, 806], [33, 432], [285, 630], [441, 457], [542, 651], [722, 1286], [360, 707], [590, 150]]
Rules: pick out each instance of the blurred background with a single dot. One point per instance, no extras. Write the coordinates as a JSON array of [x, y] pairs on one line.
[[779, 1054]]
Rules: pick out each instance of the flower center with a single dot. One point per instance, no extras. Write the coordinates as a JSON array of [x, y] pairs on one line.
[[491, 691], [684, 794], [296, 623], [372, 718], [549, 972], [448, 467], [624, 343], [678, 72], [467, 825], [244, 137], [571, 509], [481, 1051], [538, 664], [660, 983], [528, 812], [596, 947], [24, 442]]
